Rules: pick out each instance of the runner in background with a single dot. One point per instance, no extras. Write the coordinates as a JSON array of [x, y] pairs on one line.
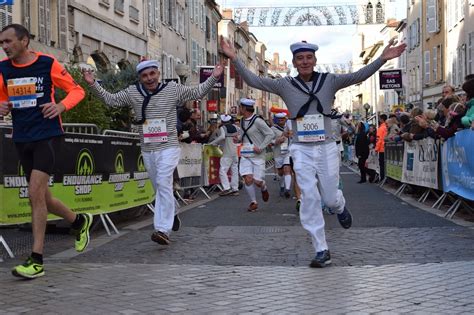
[[255, 137], [229, 160], [281, 155]]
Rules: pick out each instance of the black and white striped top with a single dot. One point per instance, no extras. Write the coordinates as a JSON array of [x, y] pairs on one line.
[[162, 105]]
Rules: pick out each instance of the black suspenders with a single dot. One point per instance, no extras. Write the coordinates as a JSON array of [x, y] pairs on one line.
[[318, 81]]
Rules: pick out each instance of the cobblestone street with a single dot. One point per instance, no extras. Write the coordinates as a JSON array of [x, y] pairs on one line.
[[395, 259]]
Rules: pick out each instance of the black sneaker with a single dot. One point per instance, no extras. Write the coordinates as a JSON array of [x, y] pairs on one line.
[[287, 194], [345, 218], [298, 204], [321, 260], [176, 223]]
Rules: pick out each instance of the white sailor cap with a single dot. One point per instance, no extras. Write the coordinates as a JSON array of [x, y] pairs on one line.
[[225, 118], [303, 46], [280, 115], [145, 64], [247, 102]]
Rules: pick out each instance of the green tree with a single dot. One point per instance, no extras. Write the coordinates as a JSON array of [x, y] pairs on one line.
[[92, 109]]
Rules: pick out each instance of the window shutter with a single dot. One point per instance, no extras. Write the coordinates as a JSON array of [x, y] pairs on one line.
[[48, 22], [194, 62], [471, 52], [42, 21], [26, 5], [62, 25], [431, 16], [6, 15], [435, 64], [151, 18], [427, 67], [441, 62]]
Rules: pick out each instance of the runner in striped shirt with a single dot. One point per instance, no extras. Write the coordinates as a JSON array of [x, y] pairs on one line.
[[154, 104]]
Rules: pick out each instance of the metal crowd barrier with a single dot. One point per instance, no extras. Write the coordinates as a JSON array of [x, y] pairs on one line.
[[90, 129]]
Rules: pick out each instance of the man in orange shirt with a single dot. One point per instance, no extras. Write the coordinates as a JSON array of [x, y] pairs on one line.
[[380, 144], [27, 83]]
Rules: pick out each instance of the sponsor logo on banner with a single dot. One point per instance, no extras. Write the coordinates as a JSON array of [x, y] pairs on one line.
[[19, 182], [141, 175], [420, 163], [119, 177], [84, 178]]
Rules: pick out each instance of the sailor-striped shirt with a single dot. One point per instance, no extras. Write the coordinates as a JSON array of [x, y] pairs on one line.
[[162, 105]]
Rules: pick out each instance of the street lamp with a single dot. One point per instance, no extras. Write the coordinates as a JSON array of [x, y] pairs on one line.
[[366, 107], [182, 70]]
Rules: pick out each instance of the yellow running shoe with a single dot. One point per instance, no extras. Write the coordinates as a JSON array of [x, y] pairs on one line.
[[82, 235], [29, 270]]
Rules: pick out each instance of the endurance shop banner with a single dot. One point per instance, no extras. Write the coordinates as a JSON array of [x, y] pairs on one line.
[[95, 174], [458, 164], [420, 163], [394, 160]]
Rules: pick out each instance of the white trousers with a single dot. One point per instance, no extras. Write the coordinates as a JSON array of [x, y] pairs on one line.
[[160, 166], [317, 174], [233, 164]]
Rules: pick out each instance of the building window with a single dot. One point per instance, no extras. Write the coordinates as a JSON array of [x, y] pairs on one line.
[[470, 56], [119, 6], [194, 56], [153, 14], [369, 13], [26, 14], [62, 24], [44, 22], [427, 69], [432, 24], [133, 14], [379, 14]]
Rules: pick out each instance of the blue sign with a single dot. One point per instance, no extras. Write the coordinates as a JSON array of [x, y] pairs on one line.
[[458, 164], [9, 2]]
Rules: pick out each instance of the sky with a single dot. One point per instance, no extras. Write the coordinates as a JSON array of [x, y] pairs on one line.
[[335, 42]]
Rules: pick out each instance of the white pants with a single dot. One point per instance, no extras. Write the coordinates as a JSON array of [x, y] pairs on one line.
[[253, 166], [160, 166], [233, 164], [317, 174]]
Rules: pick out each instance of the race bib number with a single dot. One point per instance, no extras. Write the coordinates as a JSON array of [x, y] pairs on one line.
[[22, 92], [310, 128], [154, 131], [247, 150]]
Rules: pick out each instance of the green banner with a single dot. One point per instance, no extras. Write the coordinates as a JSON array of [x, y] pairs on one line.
[[95, 174], [394, 160]]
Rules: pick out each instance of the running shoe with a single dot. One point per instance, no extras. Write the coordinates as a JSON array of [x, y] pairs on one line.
[[345, 218], [265, 195], [82, 235], [253, 207], [322, 259], [225, 192], [160, 238], [29, 270]]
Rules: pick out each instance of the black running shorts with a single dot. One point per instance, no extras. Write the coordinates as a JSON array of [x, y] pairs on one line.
[[39, 155]]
